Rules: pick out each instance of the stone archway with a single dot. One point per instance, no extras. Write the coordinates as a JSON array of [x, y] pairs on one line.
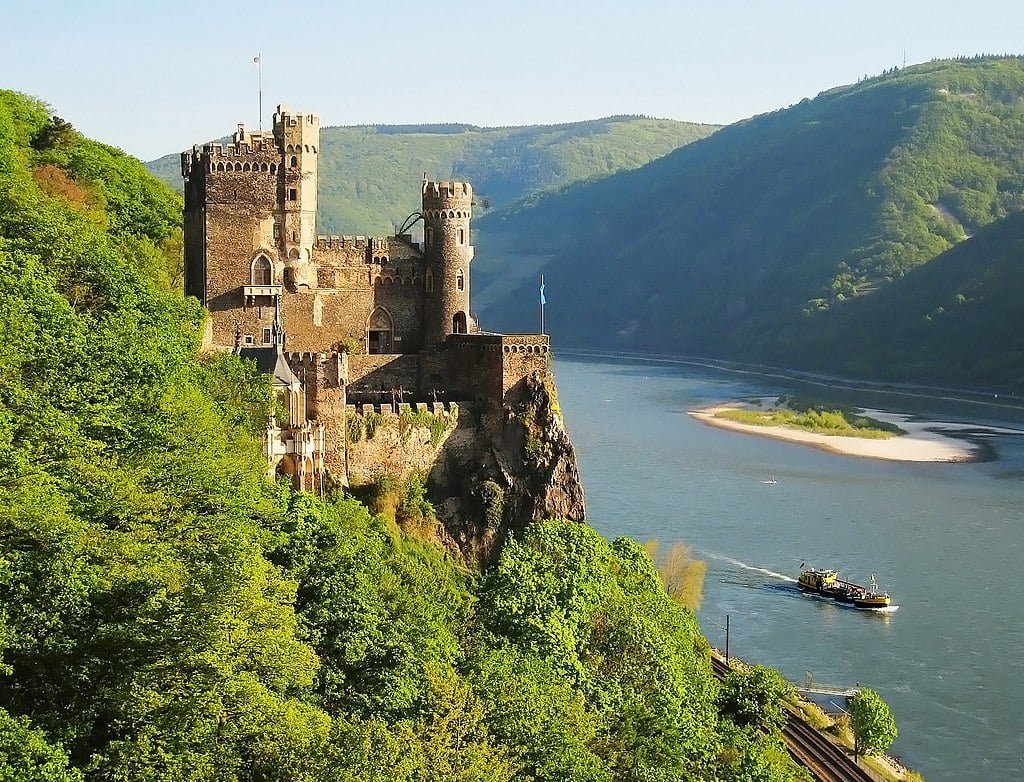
[[459, 323], [380, 332]]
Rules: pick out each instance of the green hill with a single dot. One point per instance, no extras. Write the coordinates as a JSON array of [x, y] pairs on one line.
[[745, 244], [167, 614], [370, 175], [954, 320]]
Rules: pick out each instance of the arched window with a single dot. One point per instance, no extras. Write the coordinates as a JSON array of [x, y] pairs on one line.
[[459, 323], [379, 332], [262, 271], [294, 161], [460, 281], [430, 281]]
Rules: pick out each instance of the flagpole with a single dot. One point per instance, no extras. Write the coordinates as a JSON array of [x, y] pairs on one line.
[[542, 304], [259, 82]]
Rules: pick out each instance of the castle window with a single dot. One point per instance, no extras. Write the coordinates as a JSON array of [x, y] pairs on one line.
[[295, 236], [460, 281], [429, 236], [294, 161], [248, 339], [262, 272], [430, 281], [462, 236], [379, 332], [293, 194], [277, 230], [266, 336], [459, 323]]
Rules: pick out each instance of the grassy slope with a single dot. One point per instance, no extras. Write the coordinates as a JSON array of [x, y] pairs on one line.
[[370, 175], [742, 244]]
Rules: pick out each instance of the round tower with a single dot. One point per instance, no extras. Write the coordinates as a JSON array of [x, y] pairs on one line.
[[298, 138], [447, 209]]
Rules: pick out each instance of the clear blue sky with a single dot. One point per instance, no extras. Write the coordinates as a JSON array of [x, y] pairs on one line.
[[156, 77]]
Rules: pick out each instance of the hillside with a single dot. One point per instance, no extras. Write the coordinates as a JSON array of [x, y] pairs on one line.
[[370, 175], [954, 320], [744, 244], [168, 614]]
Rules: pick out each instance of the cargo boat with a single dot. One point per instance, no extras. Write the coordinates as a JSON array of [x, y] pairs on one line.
[[828, 584]]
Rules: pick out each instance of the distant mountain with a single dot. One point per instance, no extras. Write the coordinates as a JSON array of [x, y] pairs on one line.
[[370, 175], [757, 242]]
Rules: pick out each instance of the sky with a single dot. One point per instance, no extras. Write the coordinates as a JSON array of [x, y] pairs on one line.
[[156, 77]]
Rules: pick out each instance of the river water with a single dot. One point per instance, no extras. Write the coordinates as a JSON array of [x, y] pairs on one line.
[[943, 539]]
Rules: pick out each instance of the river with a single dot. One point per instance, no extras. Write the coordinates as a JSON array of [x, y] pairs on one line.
[[943, 539]]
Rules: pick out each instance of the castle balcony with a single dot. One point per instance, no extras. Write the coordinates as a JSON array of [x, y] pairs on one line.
[[252, 292]]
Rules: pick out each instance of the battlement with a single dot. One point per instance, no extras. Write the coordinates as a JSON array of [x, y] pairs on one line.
[[387, 409], [502, 343], [284, 117], [350, 242], [447, 195]]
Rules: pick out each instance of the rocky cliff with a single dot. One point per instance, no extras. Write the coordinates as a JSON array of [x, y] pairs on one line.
[[494, 470]]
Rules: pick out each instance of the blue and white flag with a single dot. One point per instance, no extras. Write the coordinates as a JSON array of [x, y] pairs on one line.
[[542, 299]]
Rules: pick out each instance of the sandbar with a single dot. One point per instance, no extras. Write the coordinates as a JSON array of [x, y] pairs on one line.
[[924, 441]]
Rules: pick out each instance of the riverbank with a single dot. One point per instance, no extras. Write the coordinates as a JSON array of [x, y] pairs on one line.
[[924, 441]]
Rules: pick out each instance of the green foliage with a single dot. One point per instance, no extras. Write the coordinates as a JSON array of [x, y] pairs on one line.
[[817, 420], [596, 613], [438, 424], [354, 425], [26, 755], [874, 728], [492, 501], [168, 613], [755, 698], [380, 611]]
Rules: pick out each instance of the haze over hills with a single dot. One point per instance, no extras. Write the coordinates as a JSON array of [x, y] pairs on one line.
[[369, 175], [768, 240]]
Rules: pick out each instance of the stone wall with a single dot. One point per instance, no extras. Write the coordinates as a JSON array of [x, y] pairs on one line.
[[371, 374], [397, 444]]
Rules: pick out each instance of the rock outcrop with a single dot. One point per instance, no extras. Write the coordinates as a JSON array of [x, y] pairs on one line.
[[516, 466]]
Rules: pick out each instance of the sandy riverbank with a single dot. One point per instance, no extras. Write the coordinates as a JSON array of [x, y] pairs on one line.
[[924, 441]]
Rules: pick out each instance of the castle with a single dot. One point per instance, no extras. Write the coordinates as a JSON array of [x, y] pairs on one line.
[[338, 322]]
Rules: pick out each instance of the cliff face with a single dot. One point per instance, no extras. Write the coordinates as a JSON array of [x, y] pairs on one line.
[[498, 470]]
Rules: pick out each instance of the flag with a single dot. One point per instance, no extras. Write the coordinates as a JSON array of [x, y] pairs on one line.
[[543, 301]]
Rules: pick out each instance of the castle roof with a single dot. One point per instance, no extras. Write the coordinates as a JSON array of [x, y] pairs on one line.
[[271, 361]]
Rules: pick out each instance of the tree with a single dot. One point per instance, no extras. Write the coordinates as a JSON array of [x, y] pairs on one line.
[[681, 573], [874, 728], [754, 697]]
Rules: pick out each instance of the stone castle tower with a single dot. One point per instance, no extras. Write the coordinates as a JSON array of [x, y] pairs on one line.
[[367, 319], [447, 210]]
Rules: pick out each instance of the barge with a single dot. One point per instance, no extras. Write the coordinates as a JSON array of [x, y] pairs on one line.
[[828, 584]]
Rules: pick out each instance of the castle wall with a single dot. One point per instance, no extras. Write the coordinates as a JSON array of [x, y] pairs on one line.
[[492, 366], [371, 374], [398, 442]]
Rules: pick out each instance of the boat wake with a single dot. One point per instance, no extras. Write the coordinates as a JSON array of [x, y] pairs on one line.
[[753, 568], [882, 610]]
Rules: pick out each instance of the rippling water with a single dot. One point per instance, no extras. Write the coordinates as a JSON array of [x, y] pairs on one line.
[[943, 539]]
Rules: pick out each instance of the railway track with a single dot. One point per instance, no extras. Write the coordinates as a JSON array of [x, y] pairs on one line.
[[826, 761]]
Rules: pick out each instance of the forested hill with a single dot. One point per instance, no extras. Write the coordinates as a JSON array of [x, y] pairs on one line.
[[756, 241], [169, 614], [370, 175]]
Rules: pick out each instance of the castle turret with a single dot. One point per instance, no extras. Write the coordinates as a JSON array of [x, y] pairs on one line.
[[447, 209], [298, 138]]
